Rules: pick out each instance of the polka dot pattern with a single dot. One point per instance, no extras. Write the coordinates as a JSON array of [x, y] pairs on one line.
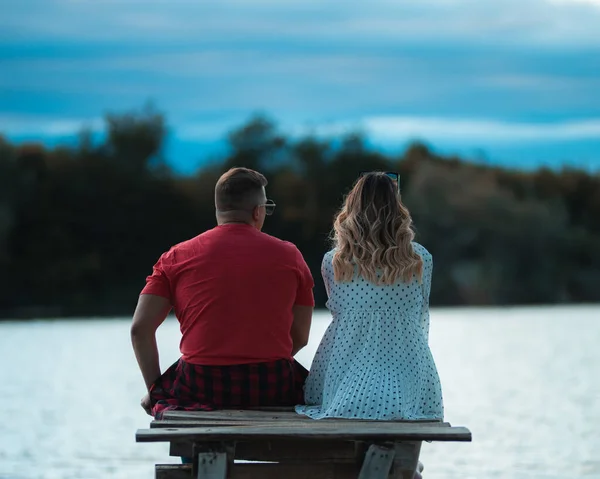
[[374, 360]]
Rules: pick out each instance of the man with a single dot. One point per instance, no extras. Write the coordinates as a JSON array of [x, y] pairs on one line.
[[244, 302]]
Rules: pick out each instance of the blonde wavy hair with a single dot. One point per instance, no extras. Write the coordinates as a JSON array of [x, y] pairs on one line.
[[373, 234]]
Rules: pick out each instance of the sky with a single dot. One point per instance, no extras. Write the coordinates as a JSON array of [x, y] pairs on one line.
[[510, 82]]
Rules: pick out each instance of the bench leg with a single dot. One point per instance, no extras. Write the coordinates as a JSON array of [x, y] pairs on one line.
[[406, 459], [211, 461], [212, 465], [378, 462]]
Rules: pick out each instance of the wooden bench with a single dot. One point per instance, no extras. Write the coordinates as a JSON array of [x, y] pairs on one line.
[[291, 446]]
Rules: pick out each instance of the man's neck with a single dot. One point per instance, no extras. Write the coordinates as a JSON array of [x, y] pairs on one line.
[[233, 220]]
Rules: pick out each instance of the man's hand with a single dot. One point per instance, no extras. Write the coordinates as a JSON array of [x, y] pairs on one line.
[[146, 404]]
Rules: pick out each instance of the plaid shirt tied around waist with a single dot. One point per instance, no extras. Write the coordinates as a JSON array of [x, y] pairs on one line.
[[192, 387]]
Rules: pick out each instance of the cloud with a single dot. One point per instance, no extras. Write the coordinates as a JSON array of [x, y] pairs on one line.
[[305, 84], [456, 70], [18, 126], [595, 3], [378, 128], [475, 130], [516, 22], [402, 128], [516, 144]]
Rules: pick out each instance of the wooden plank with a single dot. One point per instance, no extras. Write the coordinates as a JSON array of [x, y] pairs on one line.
[[262, 415], [273, 408], [201, 422], [315, 430], [285, 451], [234, 414], [173, 471], [378, 462], [350, 426], [294, 471], [267, 471], [207, 423]]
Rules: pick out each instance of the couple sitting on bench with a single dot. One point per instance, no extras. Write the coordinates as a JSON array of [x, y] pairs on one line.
[[244, 302]]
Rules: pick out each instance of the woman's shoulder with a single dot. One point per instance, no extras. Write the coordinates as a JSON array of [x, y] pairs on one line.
[[327, 263], [329, 255], [422, 251]]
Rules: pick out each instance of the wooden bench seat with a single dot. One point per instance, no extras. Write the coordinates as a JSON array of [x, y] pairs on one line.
[[295, 445]]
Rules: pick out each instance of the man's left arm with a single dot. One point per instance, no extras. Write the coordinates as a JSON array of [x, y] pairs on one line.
[[303, 306]]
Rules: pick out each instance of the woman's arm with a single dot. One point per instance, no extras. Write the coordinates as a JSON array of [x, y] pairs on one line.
[[426, 289], [324, 264]]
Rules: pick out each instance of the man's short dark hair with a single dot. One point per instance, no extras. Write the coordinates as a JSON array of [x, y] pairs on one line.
[[239, 189]]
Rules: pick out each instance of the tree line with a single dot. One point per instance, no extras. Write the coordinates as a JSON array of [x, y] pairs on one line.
[[81, 226]]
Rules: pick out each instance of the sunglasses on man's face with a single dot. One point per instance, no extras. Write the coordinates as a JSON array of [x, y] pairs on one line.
[[269, 207], [392, 175]]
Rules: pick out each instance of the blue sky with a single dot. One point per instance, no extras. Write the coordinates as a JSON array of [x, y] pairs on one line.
[[515, 81]]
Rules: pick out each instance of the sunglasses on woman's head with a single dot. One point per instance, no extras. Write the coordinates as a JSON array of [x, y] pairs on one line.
[[392, 175], [269, 207]]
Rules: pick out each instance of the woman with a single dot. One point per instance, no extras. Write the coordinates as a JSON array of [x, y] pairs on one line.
[[374, 360]]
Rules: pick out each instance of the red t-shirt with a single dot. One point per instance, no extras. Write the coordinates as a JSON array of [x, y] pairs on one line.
[[232, 289]]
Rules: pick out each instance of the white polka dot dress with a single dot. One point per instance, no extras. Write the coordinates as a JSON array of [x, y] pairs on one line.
[[374, 360]]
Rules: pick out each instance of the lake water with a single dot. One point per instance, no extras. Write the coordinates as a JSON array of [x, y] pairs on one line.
[[526, 381]]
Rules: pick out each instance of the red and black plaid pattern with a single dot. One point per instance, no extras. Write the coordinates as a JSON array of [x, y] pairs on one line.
[[191, 387]]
